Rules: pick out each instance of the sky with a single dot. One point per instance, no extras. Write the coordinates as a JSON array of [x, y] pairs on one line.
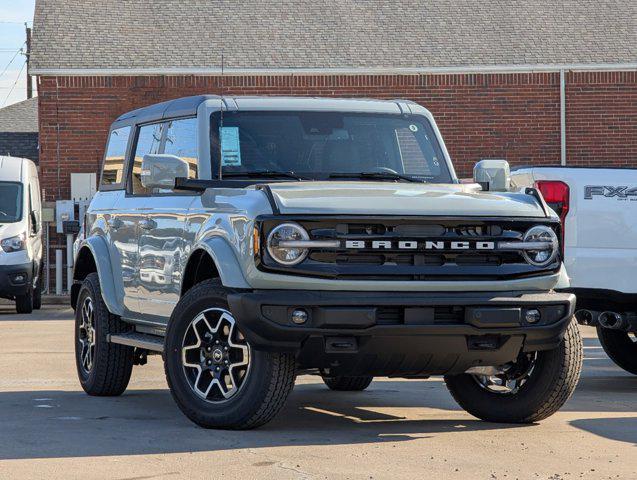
[[13, 15]]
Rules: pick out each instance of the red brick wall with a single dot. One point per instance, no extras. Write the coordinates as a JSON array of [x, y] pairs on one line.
[[601, 119], [511, 116]]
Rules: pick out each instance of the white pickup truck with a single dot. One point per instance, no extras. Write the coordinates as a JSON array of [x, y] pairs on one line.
[[598, 208]]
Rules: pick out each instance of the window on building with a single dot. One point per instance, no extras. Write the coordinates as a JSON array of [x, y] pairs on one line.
[[113, 171], [175, 137]]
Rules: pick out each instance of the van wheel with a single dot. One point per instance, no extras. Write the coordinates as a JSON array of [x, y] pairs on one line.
[[104, 368], [217, 379], [24, 303], [348, 384], [37, 297], [529, 390], [620, 346]]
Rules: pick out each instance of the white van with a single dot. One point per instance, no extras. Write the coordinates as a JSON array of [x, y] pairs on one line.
[[20, 233]]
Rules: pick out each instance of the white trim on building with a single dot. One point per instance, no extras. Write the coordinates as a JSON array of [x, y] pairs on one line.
[[468, 69]]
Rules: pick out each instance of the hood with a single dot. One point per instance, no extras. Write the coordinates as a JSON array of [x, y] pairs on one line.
[[8, 230], [384, 198]]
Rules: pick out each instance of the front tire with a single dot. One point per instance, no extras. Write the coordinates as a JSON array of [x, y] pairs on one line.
[[216, 378], [104, 368], [24, 303], [620, 347], [348, 384], [536, 387]]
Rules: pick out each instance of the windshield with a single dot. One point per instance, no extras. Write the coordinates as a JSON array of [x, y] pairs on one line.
[[318, 145], [10, 202]]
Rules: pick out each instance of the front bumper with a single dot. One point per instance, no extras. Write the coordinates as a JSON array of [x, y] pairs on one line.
[[10, 284], [401, 333]]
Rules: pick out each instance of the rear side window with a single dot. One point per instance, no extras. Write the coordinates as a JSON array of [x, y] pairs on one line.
[[113, 171], [174, 137]]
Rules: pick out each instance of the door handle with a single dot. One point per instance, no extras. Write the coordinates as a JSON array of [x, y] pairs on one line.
[[114, 223], [147, 224]]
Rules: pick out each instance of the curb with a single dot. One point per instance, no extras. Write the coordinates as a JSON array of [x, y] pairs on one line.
[[56, 300], [64, 300]]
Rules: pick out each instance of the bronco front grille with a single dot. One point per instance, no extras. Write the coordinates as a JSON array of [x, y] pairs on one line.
[[409, 248]]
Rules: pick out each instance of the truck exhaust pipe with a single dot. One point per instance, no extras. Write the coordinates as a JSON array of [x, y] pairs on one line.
[[587, 317], [614, 321]]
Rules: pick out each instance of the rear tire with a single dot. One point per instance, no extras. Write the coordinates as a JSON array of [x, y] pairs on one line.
[[104, 368], [550, 382], [620, 347], [348, 384], [24, 303], [215, 377]]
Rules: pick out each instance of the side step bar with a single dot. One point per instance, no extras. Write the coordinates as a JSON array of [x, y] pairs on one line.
[[139, 340]]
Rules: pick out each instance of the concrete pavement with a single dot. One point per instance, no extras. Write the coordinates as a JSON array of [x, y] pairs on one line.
[[396, 429]]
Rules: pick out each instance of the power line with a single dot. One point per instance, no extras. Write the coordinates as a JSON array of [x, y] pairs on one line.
[[14, 84], [11, 61]]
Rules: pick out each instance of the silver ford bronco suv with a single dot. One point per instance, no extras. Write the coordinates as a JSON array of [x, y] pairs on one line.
[[252, 239]]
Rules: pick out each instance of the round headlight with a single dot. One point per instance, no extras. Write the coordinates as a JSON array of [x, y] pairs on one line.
[[284, 233], [544, 256]]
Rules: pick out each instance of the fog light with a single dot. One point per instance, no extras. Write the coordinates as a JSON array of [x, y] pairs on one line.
[[532, 316], [299, 316], [19, 278]]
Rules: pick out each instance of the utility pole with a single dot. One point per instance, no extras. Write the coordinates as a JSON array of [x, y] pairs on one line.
[[28, 55]]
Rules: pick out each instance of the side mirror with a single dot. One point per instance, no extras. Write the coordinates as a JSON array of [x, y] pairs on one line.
[[492, 175], [161, 170]]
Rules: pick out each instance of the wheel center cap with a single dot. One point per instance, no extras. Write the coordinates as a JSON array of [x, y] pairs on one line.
[[217, 355]]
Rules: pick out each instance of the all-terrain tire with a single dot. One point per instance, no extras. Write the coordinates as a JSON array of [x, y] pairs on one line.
[[551, 383], [348, 384], [24, 303], [619, 347], [112, 364], [264, 390]]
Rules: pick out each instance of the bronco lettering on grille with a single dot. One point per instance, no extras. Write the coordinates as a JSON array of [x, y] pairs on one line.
[[416, 245]]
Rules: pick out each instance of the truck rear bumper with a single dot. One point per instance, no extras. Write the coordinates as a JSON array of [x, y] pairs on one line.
[[401, 333]]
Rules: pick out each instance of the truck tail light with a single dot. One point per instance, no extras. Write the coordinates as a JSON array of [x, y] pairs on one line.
[[557, 195]]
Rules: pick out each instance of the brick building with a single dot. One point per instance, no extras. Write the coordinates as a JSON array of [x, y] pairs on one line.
[[531, 82], [19, 129]]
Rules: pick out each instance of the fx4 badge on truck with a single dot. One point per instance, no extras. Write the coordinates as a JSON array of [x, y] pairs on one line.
[[329, 237], [610, 192]]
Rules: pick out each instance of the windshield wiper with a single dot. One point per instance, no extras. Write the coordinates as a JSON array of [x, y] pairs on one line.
[[377, 176], [263, 174]]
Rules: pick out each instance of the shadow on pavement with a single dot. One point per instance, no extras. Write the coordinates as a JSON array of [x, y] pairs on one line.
[[46, 424], [619, 429]]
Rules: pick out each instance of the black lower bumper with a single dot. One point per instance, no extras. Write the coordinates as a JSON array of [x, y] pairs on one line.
[[15, 280], [401, 333]]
